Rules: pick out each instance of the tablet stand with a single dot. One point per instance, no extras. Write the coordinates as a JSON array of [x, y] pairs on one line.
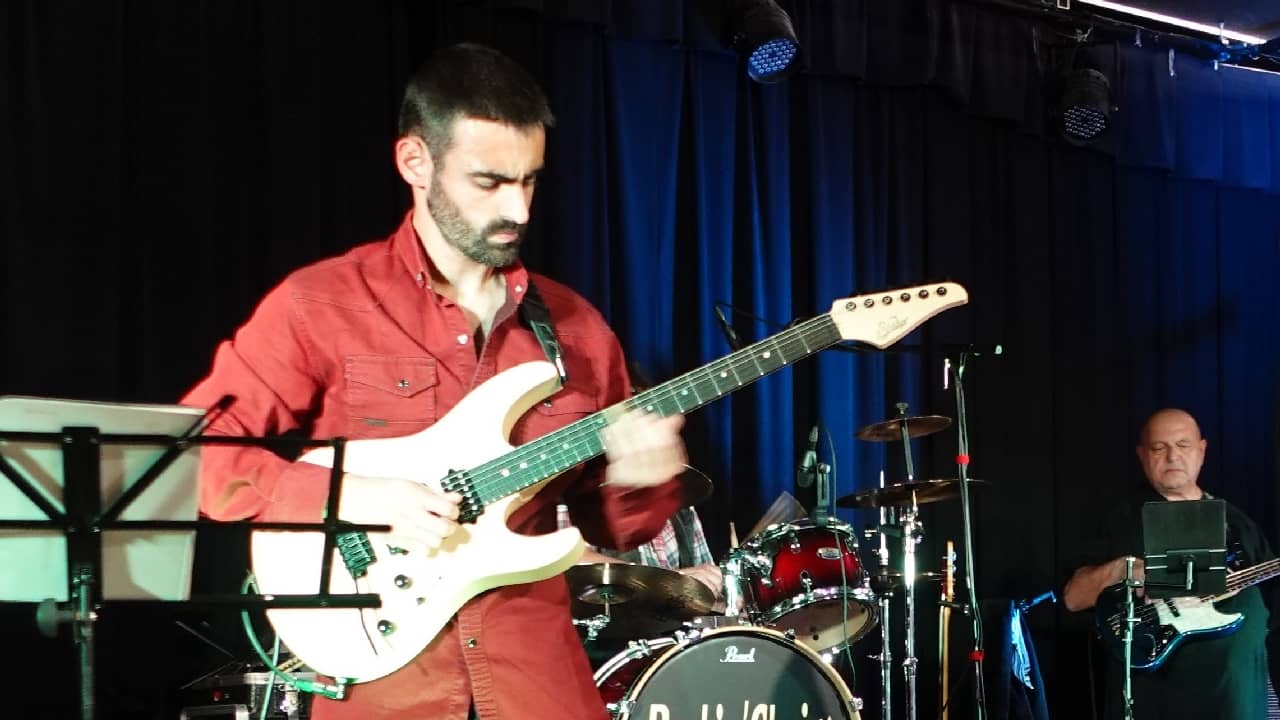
[[1186, 547]]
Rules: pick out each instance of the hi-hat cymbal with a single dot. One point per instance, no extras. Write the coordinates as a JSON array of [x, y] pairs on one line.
[[902, 494], [884, 580], [638, 599], [890, 430]]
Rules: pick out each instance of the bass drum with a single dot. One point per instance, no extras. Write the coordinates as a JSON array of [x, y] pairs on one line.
[[739, 672]]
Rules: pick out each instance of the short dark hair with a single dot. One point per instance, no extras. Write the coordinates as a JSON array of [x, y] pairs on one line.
[[469, 80]]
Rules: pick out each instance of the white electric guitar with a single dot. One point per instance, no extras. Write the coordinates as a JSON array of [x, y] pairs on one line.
[[420, 593]]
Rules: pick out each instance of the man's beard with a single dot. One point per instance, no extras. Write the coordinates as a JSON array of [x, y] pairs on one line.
[[471, 242]]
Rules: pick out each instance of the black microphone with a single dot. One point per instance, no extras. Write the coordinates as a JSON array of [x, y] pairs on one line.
[[809, 462], [729, 333]]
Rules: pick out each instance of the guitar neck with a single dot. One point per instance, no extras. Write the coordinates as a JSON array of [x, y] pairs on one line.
[[580, 441], [1240, 579]]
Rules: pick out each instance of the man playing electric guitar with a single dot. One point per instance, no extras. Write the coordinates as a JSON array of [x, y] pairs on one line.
[[1218, 669], [395, 337]]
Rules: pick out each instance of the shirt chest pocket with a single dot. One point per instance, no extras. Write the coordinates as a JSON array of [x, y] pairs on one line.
[[389, 395], [562, 408]]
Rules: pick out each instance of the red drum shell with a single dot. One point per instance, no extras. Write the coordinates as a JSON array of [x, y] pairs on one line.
[[813, 569]]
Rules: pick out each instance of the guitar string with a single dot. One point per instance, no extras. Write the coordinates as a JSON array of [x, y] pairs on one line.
[[488, 477], [1235, 583]]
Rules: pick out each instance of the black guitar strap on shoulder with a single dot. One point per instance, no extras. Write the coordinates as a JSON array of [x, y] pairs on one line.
[[534, 313]]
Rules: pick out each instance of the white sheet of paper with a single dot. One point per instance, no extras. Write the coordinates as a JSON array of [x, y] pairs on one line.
[[136, 564]]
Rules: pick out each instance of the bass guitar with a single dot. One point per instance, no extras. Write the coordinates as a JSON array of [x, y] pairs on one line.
[[1165, 623]]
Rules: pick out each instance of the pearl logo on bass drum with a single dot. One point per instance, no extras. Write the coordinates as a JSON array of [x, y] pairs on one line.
[[733, 655]]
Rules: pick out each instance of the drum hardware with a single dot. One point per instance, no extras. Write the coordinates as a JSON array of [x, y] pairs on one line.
[[900, 519], [912, 533], [593, 624], [886, 647]]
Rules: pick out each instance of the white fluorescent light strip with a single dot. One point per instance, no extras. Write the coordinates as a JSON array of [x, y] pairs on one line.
[[1250, 69], [1170, 20]]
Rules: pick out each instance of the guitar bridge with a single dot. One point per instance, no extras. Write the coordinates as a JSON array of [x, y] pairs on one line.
[[471, 506], [356, 552]]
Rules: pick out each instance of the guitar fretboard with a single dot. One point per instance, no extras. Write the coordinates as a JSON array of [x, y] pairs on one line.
[[1241, 579], [580, 441]]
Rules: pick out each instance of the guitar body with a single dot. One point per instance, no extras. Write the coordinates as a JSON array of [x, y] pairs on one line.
[[419, 593], [1157, 634]]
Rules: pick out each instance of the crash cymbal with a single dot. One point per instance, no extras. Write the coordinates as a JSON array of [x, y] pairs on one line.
[[891, 430], [900, 495], [695, 486], [638, 599]]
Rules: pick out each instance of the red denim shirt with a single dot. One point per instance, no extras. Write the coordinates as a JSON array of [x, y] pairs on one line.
[[362, 346]]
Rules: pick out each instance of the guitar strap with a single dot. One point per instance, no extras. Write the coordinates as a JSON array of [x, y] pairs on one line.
[[535, 315]]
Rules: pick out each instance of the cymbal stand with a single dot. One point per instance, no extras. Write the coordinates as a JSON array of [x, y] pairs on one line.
[[912, 531], [962, 462], [886, 604]]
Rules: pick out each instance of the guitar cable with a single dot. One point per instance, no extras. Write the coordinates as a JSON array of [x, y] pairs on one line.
[[337, 691]]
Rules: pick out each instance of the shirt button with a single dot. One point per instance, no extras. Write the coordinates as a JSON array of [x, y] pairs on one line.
[[519, 288], [403, 383], [471, 642], [462, 339]]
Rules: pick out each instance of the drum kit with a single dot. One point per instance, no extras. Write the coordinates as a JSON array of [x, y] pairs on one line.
[[796, 596]]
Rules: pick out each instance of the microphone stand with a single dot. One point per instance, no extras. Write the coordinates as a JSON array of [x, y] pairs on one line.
[[1130, 620], [962, 461]]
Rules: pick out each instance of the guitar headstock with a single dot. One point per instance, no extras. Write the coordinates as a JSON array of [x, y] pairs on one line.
[[883, 318]]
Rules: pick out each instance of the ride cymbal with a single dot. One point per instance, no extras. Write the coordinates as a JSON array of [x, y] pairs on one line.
[[891, 430], [902, 494]]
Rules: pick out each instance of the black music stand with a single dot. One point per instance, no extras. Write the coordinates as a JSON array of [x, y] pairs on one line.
[[1185, 552], [84, 517], [1185, 547]]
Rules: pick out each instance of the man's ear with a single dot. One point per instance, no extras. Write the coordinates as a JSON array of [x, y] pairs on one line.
[[414, 162]]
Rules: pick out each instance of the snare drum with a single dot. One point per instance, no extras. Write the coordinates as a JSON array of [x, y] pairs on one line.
[[807, 578], [740, 672]]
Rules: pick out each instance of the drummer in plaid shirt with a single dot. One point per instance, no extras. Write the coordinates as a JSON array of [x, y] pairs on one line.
[[681, 545]]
